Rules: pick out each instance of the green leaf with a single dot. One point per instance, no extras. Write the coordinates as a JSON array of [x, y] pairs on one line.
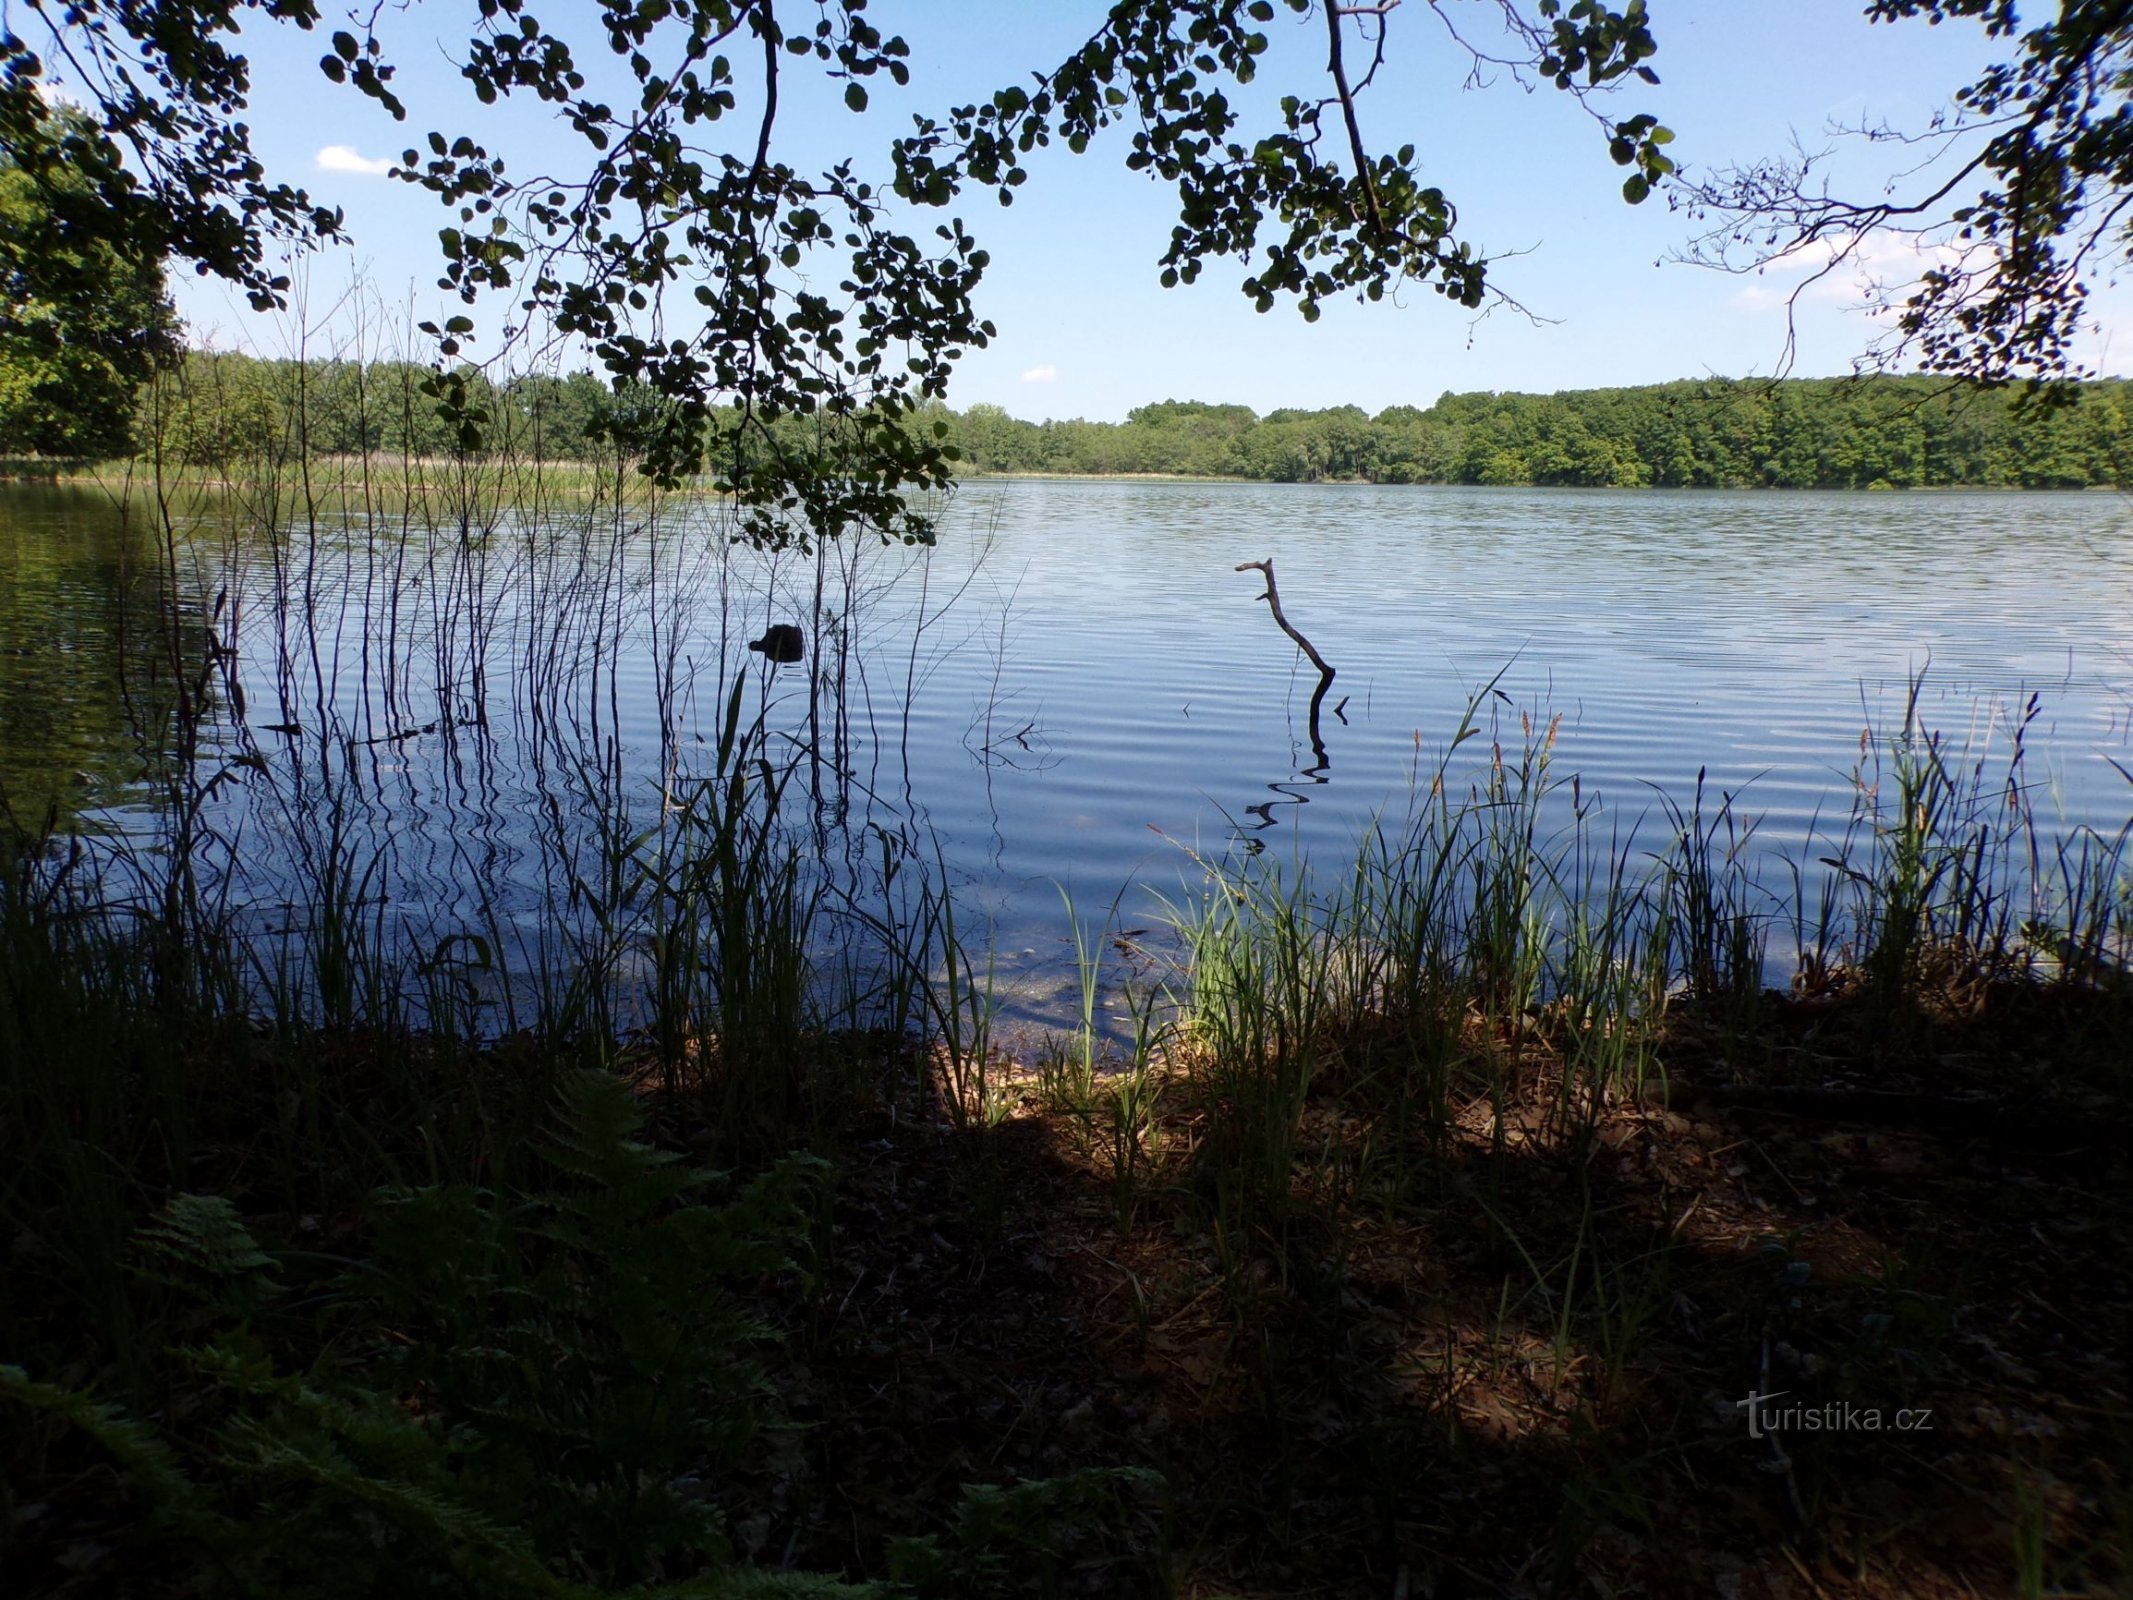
[[1635, 188], [855, 97]]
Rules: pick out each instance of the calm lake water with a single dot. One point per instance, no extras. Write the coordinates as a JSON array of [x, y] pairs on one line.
[[1075, 688]]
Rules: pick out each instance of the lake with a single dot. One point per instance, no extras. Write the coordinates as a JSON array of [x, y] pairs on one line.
[[1075, 690]]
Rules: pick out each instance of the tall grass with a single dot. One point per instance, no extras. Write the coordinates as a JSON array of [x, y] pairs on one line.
[[1713, 915], [389, 876], [1507, 946], [278, 1019]]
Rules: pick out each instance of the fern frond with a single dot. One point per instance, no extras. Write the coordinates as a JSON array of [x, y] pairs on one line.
[[595, 1140], [198, 1243], [148, 1461]]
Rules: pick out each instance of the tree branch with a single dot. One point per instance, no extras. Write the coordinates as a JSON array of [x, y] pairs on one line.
[[1273, 599], [1339, 68]]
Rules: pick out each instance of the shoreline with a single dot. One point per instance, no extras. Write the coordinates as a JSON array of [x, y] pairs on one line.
[[575, 474], [1564, 488]]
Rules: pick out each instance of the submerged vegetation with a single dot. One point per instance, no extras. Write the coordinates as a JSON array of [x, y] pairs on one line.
[[694, 1227]]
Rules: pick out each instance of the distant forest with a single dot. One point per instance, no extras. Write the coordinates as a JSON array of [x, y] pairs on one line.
[[1814, 433], [1897, 433]]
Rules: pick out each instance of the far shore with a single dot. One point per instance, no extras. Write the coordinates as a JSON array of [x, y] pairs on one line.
[[420, 475]]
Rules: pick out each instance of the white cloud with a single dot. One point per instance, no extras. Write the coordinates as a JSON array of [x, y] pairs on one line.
[[1755, 298], [1044, 374], [344, 158], [1862, 274]]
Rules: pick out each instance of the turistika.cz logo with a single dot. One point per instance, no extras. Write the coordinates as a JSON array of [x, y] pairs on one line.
[[1834, 1416]]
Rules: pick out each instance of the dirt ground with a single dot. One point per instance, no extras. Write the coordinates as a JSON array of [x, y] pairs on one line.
[[1522, 1368]]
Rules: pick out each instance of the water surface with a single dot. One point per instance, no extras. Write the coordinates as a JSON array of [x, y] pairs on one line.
[[1076, 689]]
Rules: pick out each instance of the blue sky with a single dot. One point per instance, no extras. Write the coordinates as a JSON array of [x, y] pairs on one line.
[[1085, 330]]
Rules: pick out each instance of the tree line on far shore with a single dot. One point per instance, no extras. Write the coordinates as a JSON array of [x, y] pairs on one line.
[[223, 412], [1813, 433]]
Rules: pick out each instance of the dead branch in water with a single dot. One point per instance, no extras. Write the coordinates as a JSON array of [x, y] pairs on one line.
[[1325, 672], [1273, 599]]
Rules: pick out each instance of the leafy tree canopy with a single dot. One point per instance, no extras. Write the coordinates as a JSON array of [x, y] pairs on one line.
[[701, 267], [2015, 197], [81, 321]]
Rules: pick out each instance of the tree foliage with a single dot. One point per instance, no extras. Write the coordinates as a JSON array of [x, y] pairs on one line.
[[698, 265], [221, 411], [2014, 199], [81, 322], [1888, 433]]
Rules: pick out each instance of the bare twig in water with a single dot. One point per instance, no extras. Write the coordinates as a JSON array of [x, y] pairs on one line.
[[1325, 672], [1273, 599]]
